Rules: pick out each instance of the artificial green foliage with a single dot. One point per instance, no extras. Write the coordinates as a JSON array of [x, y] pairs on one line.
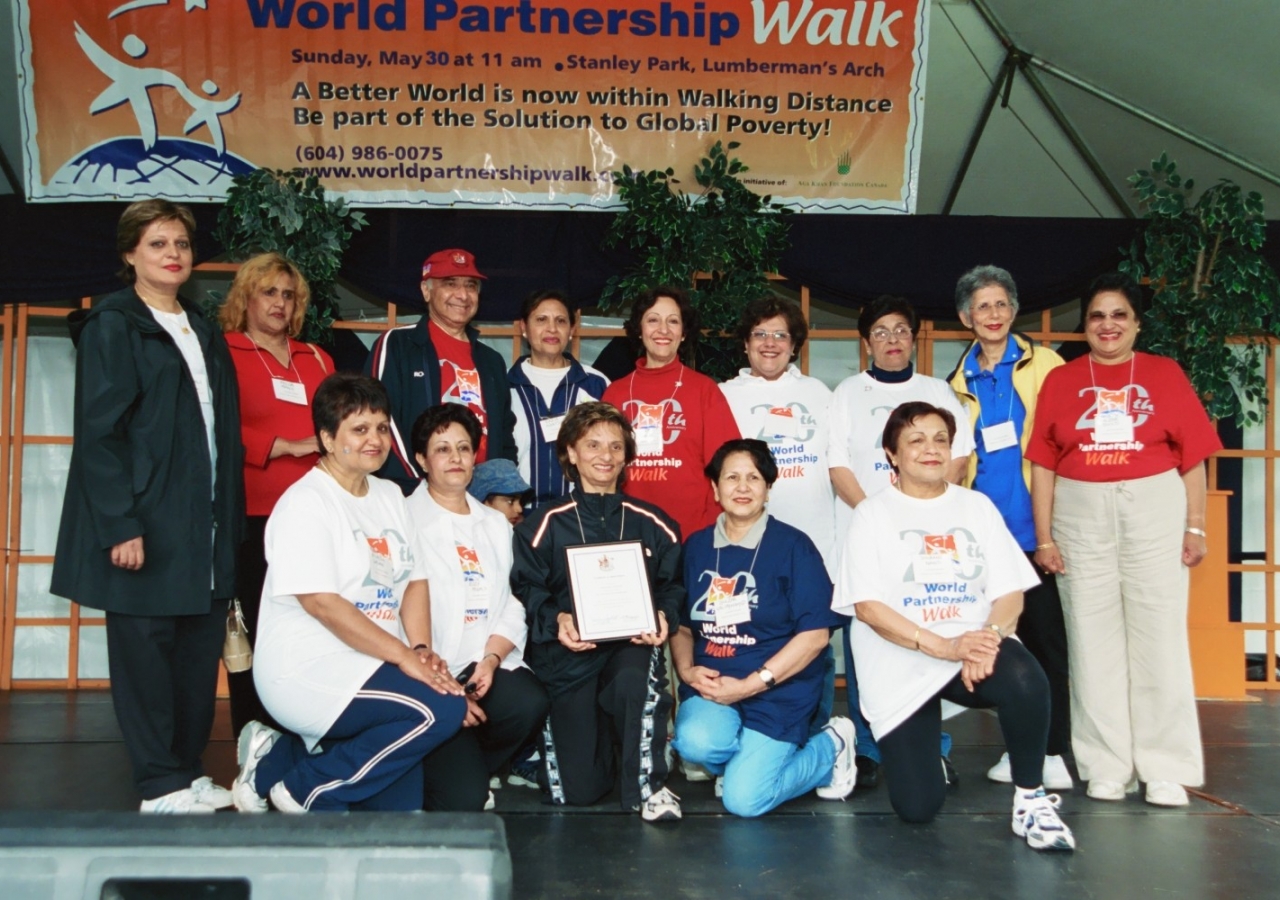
[[1211, 285], [726, 231], [287, 212]]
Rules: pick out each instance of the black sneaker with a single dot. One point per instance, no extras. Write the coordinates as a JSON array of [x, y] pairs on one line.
[[868, 772], [949, 774]]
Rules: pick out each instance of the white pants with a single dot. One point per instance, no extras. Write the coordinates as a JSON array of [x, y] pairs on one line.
[[1124, 598]]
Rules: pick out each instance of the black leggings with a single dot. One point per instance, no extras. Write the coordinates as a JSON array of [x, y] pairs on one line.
[[1044, 633], [1019, 691]]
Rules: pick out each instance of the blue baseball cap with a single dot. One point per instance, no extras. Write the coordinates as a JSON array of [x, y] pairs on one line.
[[497, 476]]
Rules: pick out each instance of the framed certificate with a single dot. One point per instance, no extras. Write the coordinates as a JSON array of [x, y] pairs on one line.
[[609, 586]]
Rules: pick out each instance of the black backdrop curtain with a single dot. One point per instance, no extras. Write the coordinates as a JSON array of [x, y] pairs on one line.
[[59, 252]]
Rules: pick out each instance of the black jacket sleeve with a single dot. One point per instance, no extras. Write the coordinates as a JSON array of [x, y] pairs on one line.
[[107, 388], [531, 583]]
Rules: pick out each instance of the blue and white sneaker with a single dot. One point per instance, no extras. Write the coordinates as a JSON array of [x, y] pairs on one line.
[[1035, 817]]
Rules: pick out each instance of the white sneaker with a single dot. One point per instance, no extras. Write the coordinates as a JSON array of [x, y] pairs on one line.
[[1035, 818], [843, 771], [495, 782], [210, 794], [282, 800], [694, 772], [256, 740], [662, 806], [719, 788], [182, 802], [1002, 771], [1056, 776], [1110, 790], [490, 803], [1166, 793]]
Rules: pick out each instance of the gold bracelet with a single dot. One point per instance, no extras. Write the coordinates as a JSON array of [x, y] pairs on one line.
[[1198, 532], [1045, 546], [917, 638]]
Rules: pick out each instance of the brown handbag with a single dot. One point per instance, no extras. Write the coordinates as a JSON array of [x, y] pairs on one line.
[[237, 654]]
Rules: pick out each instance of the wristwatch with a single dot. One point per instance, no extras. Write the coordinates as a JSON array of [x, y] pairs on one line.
[[767, 677], [996, 628]]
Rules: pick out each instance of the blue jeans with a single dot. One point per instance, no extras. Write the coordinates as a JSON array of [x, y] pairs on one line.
[[759, 772], [867, 745]]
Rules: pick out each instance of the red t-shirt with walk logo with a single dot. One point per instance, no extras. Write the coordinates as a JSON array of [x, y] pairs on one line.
[[1170, 427], [460, 380]]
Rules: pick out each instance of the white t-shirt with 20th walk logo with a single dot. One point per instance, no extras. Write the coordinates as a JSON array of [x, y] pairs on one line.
[[941, 563], [791, 415], [322, 539]]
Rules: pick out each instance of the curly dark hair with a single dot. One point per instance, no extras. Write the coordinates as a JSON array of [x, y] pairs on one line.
[[688, 319]]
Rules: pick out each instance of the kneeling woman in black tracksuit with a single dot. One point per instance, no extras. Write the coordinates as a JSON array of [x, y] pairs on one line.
[[603, 694]]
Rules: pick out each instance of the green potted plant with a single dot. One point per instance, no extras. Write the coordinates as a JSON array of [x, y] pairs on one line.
[[1215, 296], [722, 242], [287, 212]]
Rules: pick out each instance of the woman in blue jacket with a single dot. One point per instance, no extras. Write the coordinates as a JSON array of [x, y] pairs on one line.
[[546, 384]]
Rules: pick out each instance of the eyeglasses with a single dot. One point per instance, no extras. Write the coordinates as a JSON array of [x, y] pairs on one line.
[[1000, 306], [765, 335], [880, 335]]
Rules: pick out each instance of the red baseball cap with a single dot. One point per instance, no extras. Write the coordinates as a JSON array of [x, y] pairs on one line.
[[449, 263]]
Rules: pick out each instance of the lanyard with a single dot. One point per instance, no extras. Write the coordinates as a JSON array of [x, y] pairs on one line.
[[583, 532], [631, 390], [750, 569], [288, 367], [1133, 360]]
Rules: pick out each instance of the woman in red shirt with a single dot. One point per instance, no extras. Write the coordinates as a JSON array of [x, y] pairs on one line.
[[278, 377], [680, 417], [1118, 496]]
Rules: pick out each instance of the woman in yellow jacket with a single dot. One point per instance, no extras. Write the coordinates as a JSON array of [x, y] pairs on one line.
[[997, 380]]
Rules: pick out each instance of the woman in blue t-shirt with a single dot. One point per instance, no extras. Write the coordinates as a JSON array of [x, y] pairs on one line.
[[755, 624]]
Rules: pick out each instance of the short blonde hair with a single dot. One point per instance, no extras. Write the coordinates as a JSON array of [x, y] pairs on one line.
[[256, 273]]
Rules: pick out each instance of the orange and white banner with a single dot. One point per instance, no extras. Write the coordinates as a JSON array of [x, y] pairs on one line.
[[517, 104]]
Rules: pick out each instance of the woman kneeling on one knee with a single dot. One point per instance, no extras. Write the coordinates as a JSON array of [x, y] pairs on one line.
[[343, 656], [476, 625], [936, 581], [755, 625], [603, 694]]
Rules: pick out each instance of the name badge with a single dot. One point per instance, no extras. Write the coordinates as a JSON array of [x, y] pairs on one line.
[[732, 610], [1113, 428], [381, 567], [648, 429], [930, 567], [551, 428], [728, 608], [781, 422], [289, 391], [998, 437]]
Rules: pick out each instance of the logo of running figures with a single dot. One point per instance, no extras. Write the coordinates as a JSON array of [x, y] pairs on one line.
[[845, 163], [150, 161], [940, 545], [470, 562], [719, 587], [605, 563]]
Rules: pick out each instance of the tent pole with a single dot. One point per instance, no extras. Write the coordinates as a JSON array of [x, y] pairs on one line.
[[1102, 94], [1151, 118], [998, 86], [1076, 140]]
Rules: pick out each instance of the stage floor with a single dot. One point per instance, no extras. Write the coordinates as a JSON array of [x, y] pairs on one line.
[[62, 751]]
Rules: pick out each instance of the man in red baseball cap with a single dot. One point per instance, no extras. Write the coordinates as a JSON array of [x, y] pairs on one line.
[[441, 360]]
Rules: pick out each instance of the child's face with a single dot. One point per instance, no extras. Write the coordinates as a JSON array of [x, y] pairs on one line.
[[511, 507]]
